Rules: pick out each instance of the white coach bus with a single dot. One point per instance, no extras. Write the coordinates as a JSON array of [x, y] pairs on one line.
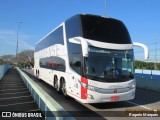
[[89, 58]]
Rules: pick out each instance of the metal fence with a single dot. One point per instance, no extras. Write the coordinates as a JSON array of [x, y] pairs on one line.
[[147, 74]]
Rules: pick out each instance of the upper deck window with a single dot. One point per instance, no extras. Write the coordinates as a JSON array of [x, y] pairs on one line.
[[55, 37], [104, 30]]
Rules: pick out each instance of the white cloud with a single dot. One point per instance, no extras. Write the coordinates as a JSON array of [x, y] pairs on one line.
[[8, 42]]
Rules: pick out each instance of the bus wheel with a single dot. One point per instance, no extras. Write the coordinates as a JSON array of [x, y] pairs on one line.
[[64, 91], [37, 74], [56, 84]]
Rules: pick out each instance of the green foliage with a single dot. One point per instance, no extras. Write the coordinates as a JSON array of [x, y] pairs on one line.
[[2, 61], [146, 65], [24, 58], [6, 57]]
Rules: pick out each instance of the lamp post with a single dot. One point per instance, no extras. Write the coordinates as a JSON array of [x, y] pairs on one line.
[[155, 64], [17, 44], [105, 8]]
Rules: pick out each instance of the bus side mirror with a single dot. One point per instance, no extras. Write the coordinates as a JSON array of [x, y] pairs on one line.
[[83, 42], [146, 50]]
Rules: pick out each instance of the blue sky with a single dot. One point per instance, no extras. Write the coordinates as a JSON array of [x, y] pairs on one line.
[[39, 17]]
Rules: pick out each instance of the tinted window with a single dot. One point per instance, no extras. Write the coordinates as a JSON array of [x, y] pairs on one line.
[[54, 63], [73, 27], [75, 55], [56, 37], [104, 30], [74, 50]]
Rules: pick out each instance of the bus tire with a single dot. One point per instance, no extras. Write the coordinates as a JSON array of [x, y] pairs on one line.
[[54, 82], [56, 86], [37, 74], [64, 91]]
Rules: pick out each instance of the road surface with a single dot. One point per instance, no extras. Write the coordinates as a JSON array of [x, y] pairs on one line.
[[144, 100]]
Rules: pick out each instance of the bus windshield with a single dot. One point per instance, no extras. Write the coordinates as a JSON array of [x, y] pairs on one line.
[[108, 65]]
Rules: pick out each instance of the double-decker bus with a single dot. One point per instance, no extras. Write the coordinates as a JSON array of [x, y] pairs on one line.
[[89, 58]]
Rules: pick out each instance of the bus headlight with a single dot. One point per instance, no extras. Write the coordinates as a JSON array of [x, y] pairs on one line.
[[87, 86], [91, 88], [132, 85], [84, 85]]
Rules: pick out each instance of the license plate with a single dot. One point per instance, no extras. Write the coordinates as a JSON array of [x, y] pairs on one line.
[[114, 98]]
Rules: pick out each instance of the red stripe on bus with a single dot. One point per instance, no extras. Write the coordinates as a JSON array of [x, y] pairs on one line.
[[83, 89]]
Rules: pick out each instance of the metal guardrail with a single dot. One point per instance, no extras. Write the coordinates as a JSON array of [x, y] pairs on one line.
[[3, 70], [50, 108], [148, 79], [147, 74]]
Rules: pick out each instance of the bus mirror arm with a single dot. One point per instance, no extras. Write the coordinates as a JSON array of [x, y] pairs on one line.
[[146, 50], [83, 42], [75, 40]]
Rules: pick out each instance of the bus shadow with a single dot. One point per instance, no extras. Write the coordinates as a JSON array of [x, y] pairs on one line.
[[142, 97], [111, 105]]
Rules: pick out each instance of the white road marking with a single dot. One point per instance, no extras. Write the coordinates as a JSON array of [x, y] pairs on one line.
[[139, 105]]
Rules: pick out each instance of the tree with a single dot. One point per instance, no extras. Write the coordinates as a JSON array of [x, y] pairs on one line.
[[26, 58], [146, 65], [7, 57], [2, 61]]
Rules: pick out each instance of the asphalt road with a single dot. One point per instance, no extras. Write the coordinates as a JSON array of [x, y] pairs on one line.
[[144, 100]]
